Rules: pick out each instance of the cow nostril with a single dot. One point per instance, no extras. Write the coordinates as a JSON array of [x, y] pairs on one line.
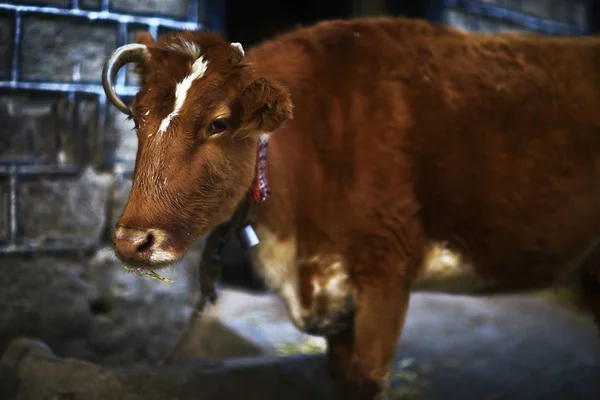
[[145, 245], [137, 245]]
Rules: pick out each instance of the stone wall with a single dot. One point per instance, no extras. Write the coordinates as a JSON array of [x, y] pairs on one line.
[[66, 157], [564, 17]]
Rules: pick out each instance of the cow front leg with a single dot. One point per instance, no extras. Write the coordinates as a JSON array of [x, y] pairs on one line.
[[360, 358]]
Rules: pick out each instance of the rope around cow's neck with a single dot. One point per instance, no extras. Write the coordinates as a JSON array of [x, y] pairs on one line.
[[209, 272], [210, 262]]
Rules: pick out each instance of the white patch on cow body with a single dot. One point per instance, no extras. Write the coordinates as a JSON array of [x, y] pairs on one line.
[[198, 69], [275, 261], [336, 283], [446, 271], [335, 277], [317, 288], [289, 293]]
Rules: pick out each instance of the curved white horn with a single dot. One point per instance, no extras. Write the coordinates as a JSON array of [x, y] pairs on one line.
[[133, 52]]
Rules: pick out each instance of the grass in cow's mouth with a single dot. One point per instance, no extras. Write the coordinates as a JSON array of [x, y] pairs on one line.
[[150, 274]]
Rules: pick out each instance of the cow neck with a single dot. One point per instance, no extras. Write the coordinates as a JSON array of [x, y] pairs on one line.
[[257, 193], [210, 262]]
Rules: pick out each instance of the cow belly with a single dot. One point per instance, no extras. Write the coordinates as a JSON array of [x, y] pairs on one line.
[[502, 268], [516, 238], [447, 271]]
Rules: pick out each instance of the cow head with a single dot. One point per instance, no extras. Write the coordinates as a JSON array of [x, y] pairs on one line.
[[198, 118]]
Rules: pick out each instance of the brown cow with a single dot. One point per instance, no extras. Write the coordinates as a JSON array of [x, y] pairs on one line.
[[384, 135]]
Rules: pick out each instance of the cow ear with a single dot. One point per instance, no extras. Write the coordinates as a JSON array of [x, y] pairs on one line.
[[144, 38], [265, 105], [141, 68], [237, 53]]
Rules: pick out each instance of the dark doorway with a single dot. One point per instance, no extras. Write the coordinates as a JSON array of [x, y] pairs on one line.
[[253, 21], [426, 9]]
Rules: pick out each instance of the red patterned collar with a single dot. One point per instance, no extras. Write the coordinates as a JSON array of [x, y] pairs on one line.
[[260, 187]]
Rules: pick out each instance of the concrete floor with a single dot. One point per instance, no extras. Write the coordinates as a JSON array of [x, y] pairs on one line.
[[459, 347], [453, 347], [505, 347]]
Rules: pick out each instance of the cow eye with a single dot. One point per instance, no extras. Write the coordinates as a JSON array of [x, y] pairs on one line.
[[218, 126]]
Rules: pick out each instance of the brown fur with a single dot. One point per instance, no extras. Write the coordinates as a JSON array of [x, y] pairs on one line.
[[403, 133], [221, 169]]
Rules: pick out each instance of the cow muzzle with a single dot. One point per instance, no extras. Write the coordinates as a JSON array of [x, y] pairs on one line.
[[143, 248]]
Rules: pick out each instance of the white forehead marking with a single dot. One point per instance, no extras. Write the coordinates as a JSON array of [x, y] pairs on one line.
[[198, 70], [186, 47], [239, 46]]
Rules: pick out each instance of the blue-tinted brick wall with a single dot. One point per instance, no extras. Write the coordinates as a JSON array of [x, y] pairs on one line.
[[550, 17], [66, 155]]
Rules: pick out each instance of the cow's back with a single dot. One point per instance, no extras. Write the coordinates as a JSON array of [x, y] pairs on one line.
[[509, 144], [496, 140]]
